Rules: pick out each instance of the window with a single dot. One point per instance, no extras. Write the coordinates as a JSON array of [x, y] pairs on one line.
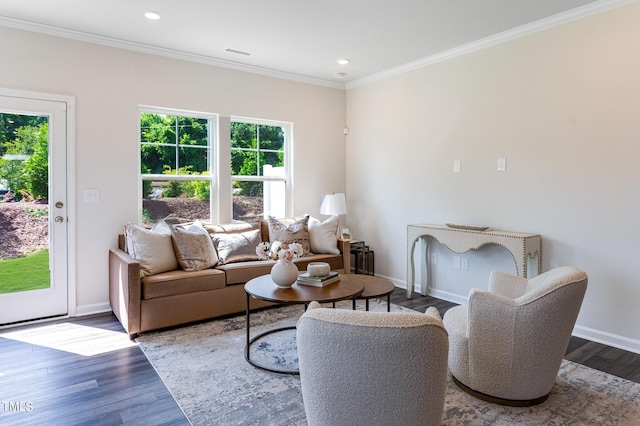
[[176, 165], [260, 168]]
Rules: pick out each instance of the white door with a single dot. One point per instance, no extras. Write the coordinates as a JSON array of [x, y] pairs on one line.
[[33, 249]]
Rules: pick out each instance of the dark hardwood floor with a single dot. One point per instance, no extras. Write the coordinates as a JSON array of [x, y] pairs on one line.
[[84, 371], [601, 357], [80, 383]]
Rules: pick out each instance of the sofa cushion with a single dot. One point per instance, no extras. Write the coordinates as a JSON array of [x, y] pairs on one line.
[[194, 248], [152, 248], [322, 235], [297, 232], [237, 247], [240, 273], [180, 282]]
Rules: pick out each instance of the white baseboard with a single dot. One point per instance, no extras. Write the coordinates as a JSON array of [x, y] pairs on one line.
[[449, 297], [444, 295], [608, 339], [591, 334], [96, 308]]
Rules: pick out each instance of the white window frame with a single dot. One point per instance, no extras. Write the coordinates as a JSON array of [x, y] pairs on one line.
[[212, 133], [288, 160]]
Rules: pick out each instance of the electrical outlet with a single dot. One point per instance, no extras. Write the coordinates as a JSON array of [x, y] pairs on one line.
[[464, 264], [434, 258], [456, 262], [502, 164]]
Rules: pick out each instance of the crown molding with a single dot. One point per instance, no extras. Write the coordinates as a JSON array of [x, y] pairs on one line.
[[160, 51], [524, 30]]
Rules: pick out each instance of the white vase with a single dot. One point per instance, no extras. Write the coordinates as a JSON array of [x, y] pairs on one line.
[[284, 274]]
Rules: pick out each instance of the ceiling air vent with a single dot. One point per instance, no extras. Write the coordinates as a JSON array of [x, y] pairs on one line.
[[239, 52]]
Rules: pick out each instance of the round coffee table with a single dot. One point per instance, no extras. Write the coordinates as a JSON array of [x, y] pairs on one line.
[[263, 288], [375, 287]]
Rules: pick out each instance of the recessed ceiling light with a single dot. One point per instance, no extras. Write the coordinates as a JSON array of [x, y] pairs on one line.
[[343, 61], [152, 15]]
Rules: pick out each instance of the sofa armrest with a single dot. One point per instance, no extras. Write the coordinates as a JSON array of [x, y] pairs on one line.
[[345, 250], [125, 290]]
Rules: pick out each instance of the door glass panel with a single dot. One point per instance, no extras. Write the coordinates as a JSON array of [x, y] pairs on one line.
[[24, 208]]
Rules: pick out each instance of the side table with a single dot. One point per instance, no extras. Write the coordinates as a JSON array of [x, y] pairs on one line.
[[362, 258]]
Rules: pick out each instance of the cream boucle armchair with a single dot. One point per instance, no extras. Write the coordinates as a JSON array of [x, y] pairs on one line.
[[507, 344], [372, 368]]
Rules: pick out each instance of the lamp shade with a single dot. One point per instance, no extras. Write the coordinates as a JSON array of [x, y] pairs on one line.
[[333, 204]]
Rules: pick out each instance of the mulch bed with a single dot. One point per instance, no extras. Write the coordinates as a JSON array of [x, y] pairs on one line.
[[182, 210], [24, 228]]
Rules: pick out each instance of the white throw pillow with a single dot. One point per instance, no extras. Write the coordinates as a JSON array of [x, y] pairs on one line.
[[162, 227], [154, 250], [322, 236]]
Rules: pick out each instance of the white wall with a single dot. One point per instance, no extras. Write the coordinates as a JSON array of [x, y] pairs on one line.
[[562, 106], [109, 84]]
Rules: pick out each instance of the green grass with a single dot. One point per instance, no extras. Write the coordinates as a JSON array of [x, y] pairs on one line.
[[25, 273]]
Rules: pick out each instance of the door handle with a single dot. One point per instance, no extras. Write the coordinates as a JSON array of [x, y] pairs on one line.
[[59, 219]]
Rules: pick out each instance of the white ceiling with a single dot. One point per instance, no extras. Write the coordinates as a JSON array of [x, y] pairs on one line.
[[297, 39]]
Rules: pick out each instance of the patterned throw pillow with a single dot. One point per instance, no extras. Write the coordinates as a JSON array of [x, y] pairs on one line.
[[297, 232]]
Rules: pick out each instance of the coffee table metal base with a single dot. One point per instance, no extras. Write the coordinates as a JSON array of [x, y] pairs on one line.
[[247, 351], [263, 288]]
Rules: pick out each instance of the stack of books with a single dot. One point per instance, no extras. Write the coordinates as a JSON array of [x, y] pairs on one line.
[[318, 281]]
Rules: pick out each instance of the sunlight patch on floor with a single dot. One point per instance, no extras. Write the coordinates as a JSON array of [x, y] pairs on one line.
[[73, 338]]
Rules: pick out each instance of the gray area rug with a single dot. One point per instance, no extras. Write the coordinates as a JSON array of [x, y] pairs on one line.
[[204, 368]]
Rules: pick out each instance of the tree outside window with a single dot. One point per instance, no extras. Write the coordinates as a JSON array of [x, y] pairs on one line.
[[24, 157], [175, 165], [259, 168]]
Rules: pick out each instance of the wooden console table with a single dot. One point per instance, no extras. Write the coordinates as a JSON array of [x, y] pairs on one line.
[[521, 247]]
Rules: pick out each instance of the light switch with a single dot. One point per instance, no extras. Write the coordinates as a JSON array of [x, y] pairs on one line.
[[502, 164], [91, 195], [464, 264], [456, 166]]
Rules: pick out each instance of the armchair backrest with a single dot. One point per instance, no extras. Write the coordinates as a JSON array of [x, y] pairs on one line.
[[523, 339], [368, 368]]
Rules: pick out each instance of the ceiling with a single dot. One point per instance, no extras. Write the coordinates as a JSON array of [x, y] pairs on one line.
[[296, 39]]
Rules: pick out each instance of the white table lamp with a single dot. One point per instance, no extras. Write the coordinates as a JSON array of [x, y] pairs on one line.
[[334, 204]]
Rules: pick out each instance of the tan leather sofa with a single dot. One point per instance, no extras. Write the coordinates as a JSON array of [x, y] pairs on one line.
[[178, 297]]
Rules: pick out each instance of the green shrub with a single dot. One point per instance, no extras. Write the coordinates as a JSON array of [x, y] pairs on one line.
[[36, 167]]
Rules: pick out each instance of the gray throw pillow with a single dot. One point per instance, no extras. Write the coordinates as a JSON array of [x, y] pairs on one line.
[[194, 248], [237, 247]]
